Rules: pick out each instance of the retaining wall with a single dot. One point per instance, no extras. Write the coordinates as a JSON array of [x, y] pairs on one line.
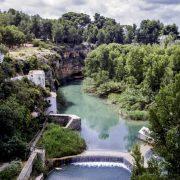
[[67, 120]]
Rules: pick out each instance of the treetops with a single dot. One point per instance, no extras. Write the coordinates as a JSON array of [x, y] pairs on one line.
[[17, 27], [131, 74]]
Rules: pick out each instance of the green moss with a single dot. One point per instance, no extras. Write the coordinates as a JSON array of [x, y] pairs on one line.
[[60, 142]]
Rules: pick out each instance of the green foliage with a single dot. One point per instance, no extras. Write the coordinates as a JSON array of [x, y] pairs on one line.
[[106, 88], [3, 49], [164, 120], [149, 31], [38, 168], [139, 172], [39, 43], [11, 36], [12, 171], [60, 142], [131, 75], [75, 28], [138, 115], [17, 126], [138, 166]]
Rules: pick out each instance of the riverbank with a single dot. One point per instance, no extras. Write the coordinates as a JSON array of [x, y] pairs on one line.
[[102, 127], [55, 136], [117, 100]]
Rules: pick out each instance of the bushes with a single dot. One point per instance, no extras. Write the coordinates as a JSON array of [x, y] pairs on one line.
[[3, 49], [38, 168], [60, 142], [11, 36], [108, 87], [11, 171], [39, 43], [138, 115]]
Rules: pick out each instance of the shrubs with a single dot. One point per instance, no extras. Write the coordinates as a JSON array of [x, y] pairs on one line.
[[11, 171], [38, 168], [138, 115], [89, 85], [60, 142], [132, 103], [3, 49], [108, 87], [39, 43]]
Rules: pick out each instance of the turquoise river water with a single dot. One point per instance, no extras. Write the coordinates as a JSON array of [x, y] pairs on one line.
[[102, 129]]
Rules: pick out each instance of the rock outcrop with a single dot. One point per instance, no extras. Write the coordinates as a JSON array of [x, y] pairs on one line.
[[59, 64]]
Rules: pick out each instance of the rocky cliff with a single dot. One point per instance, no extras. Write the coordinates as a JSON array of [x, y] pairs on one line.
[[59, 64]]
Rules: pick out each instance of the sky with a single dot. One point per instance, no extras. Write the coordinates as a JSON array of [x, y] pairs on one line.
[[124, 11]]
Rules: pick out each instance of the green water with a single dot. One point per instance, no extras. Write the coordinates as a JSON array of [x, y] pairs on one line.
[[88, 173], [102, 127]]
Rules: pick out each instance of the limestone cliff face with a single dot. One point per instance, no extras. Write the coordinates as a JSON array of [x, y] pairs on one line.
[[72, 62], [58, 64]]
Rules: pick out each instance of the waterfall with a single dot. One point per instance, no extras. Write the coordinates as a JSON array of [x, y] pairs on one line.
[[101, 164]]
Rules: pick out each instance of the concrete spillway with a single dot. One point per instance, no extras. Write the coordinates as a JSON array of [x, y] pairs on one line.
[[111, 158]]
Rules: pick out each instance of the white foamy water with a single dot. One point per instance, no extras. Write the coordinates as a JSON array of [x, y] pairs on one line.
[[101, 164]]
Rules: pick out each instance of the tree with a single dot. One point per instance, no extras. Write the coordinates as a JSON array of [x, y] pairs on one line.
[[164, 120], [11, 35], [134, 64], [78, 19], [101, 37], [36, 26], [149, 31], [171, 30], [138, 166], [130, 32], [14, 119]]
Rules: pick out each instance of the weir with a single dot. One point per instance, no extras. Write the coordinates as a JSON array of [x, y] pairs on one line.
[[104, 157]]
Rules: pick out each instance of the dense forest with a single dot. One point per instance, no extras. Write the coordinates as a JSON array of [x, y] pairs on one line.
[[129, 66], [17, 28]]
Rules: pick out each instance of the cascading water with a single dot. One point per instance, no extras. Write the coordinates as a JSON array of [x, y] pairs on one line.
[[102, 130], [101, 164]]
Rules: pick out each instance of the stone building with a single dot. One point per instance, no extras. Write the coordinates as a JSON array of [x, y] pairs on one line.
[[36, 76]]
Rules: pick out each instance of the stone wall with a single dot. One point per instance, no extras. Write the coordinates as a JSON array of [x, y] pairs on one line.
[[27, 169], [67, 120]]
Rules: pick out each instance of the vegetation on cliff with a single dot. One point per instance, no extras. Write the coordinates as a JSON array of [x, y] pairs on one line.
[[18, 100], [131, 76], [59, 142]]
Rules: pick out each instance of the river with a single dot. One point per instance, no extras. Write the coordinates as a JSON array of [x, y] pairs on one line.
[[102, 129]]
